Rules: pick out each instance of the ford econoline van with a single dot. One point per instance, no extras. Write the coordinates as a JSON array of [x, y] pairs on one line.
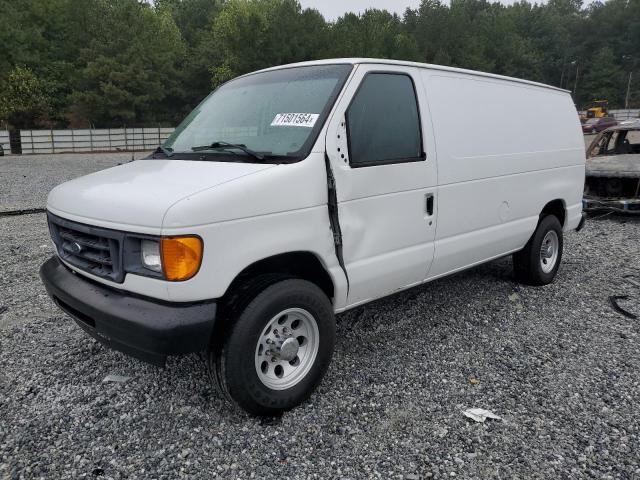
[[298, 192]]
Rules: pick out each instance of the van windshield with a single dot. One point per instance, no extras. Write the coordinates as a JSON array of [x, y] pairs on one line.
[[276, 115]]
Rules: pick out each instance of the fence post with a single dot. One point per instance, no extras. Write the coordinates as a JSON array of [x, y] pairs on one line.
[[53, 143], [126, 139], [109, 137]]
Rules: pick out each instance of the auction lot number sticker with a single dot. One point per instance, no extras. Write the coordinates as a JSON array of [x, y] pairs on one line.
[[295, 120]]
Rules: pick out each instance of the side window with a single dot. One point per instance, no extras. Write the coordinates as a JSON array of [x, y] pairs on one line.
[[601, 147], [614, 141], [634, 141], [383, 124]]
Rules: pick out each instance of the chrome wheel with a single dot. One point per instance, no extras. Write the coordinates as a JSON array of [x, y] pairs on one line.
[[287, 348], [549, 251]]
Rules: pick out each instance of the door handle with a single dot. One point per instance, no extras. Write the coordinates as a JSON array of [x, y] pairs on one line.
[[429, 204]]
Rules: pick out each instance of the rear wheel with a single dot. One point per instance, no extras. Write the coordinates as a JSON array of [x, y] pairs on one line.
[[538, 262], [277, 349]]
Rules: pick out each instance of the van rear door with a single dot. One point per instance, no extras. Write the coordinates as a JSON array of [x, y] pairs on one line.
[[379, 145]]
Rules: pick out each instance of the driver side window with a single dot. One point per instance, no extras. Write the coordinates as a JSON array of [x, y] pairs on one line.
[[383, 121]]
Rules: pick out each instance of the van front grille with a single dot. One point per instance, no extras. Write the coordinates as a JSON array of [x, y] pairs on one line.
[[95, 250]]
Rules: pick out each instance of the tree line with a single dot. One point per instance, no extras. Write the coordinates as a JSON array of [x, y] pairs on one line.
[[107, 63]]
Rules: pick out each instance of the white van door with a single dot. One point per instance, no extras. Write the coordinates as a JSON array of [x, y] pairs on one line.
[[380, 148]]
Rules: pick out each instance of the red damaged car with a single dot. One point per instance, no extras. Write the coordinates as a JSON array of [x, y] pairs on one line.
[[596, 125]]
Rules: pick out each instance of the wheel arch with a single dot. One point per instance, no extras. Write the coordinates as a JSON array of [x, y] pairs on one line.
[[557, 208], [305, 265]]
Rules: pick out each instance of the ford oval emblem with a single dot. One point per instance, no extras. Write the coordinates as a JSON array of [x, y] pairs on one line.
[[76, 248]]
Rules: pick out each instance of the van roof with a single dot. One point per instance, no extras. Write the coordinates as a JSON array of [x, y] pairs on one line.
[[381, 61]]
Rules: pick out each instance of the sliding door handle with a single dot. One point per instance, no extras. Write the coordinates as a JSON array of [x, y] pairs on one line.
[[428, 203]]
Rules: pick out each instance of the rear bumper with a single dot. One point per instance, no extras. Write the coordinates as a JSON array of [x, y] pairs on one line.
[[583, 219], [142, 327], [630, 205]]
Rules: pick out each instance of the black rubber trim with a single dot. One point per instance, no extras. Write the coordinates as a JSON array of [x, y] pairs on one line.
[[583, 220], [334, 219], [142, 327]]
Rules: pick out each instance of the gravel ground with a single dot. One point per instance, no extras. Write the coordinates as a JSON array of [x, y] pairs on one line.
[[557, 363], [24, 246], [27, 179]]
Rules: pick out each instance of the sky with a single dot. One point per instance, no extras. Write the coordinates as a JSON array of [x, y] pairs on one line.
[[332, 9]]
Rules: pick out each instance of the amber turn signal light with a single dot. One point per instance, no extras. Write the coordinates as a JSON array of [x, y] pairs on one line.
[[181, 257]]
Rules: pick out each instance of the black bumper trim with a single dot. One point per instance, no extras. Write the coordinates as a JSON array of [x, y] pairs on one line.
[[142, 327]]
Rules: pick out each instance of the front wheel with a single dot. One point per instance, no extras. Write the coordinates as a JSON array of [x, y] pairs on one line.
[[538, 262], [277, 350]]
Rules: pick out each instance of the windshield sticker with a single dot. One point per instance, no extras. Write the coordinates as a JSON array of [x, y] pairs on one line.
[[295, 120]]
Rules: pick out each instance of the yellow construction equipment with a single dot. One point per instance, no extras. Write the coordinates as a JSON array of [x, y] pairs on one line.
[[596, 109]]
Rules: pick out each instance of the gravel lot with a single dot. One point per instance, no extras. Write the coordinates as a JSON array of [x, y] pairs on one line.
[[27, 179], [557, 363]]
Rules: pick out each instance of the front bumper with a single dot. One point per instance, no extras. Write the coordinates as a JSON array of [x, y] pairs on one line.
[[630, 205], [142, 327]]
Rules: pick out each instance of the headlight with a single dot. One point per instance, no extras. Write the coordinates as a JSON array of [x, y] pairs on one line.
[[181, 257], [150, 255], [168, 258]]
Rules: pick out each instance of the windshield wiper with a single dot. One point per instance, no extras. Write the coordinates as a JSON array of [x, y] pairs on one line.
[[228, 146], [168, 152]]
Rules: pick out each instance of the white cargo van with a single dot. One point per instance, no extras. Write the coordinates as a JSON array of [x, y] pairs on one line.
[[301, 191]]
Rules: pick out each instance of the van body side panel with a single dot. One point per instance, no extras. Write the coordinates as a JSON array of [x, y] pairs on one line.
[[386, 232], [284, 210], [505, 150], [488, 128], [490, 232], [231, 246]]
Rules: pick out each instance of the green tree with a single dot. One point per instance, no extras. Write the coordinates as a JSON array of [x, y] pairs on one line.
[[138, 62], [603, 78], [23, 99], [129, 67], [194, 19], [34, 34], [254, 34], [375, 33]]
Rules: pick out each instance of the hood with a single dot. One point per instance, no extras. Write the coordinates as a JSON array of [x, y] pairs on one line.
[[614, 166], [139, 193]]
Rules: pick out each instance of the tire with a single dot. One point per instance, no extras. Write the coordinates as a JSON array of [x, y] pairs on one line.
[[267, 379], [531, 265]]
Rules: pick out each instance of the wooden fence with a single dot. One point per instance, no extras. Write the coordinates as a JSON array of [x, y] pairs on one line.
[[95, 140], [4, 141]]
